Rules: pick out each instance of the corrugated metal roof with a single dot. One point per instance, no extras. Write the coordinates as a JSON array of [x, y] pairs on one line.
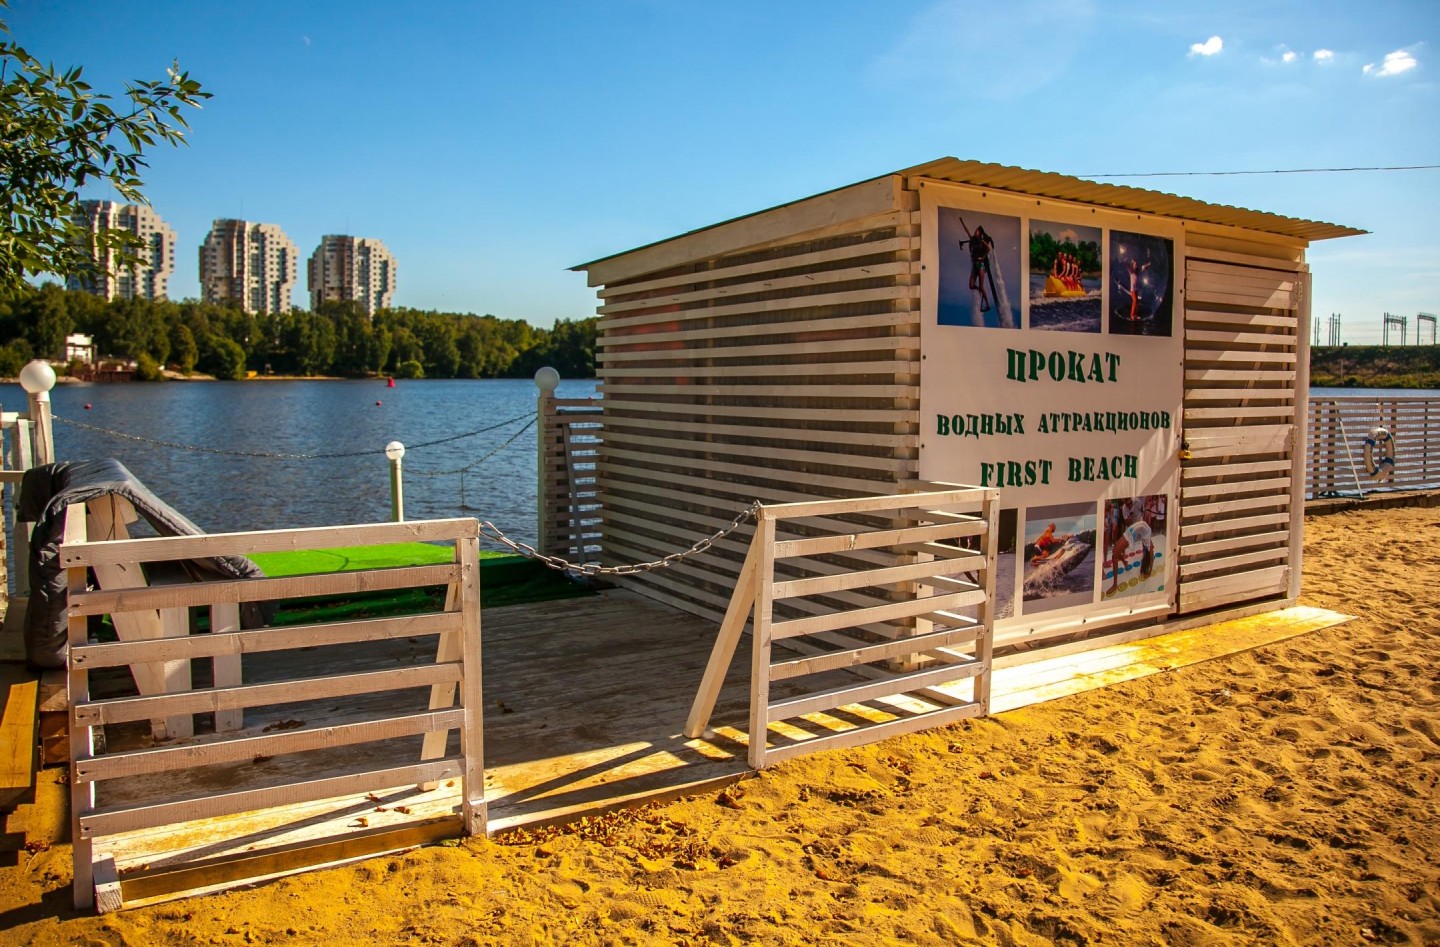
[[1066, 188]]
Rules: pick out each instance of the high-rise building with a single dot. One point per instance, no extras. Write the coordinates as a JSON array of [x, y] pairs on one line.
[[249, 263], [149, 275], [346, 268]]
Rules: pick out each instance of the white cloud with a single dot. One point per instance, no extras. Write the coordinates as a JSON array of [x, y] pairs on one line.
[[1289, 56], [1210, 47], [1324, 56], [1394, 64]]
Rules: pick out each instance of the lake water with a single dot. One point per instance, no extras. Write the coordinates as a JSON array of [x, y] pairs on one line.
[[223, 493]]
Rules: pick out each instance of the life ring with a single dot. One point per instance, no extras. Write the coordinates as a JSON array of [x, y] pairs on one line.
[[1380, 454]]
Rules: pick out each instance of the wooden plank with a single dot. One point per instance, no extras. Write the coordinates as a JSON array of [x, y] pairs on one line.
[[1233, 525], [870, 504], [473, 811], [763, 284], [745, 428], [849, 206], [107, 601], [227, 669], [1190, 571], [169, 758], [1203, 375], [82, 739], [163, 548], [796, 306], [1243, 581], [890, 245], [850, 657], [1211, 547], [1228, 488], [794, 388], [112, 820], [900, 365], [1238, 339], [223, 699], [1231, 319], [761, 637], [1195, 252], [1241, 471], [834, 459], [694, 337], [820, 585], [895, 684], [742, 603], [260, 640], [820, 545], [891, 612], [875, 732], [1234, 505], [107, 884], [744, 473], [836, 418], [18, 742]]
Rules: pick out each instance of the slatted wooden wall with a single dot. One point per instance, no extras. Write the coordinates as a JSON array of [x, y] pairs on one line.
[[1244, 355], [779, 370]]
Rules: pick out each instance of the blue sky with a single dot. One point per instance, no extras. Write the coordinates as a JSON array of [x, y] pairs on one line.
[[493, 145]]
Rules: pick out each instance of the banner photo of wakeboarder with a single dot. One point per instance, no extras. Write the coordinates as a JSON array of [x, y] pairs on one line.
[[979, 265], [1142, 277], [1066, 276], [1135, 552], [1059, 557]]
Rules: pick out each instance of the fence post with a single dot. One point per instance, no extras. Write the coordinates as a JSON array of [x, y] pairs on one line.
[[395, 451], [37, 378], [546, 381]]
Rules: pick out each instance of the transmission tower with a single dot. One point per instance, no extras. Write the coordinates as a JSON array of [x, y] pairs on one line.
[[1400, 321], [1422, 319]]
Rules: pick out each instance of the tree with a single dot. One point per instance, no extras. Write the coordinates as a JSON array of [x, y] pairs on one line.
[[57, 135]]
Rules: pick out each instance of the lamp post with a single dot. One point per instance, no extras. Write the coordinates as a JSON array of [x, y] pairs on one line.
[[37, 378], [547, 380], [395, 451]]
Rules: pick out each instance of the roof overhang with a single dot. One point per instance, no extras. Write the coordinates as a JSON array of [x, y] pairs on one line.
[[1063, 187]]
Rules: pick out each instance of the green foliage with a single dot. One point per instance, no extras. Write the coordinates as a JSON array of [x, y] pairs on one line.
[[338, 339], [1375, 366], [1044, 248], [146, 368], [57, 135]]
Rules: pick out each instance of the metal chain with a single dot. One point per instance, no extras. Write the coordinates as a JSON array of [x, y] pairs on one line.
[[280, 456], [461, 470], [490, 530]]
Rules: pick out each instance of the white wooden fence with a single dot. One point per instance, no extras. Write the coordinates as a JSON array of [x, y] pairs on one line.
[[896, 589], [569, 495], [378, 735], [1336, 455]]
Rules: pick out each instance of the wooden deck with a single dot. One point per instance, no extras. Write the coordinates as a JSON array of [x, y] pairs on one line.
[[585, 701]]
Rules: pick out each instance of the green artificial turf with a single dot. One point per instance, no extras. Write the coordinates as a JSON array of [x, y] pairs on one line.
[[504, 580]]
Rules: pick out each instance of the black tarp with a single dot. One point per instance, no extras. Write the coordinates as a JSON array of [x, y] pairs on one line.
[[45, 493]]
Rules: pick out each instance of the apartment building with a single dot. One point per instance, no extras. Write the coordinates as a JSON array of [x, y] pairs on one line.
[[249, 263], [352, 268], [148, 276]]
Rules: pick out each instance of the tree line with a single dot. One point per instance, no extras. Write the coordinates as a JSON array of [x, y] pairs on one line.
[[338, 338]]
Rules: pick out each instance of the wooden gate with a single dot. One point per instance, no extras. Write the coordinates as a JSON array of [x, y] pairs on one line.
[[1242, 488], [372, 725], [895, 590]]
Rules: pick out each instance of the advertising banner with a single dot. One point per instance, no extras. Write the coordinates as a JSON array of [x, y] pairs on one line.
[[1053, 371]]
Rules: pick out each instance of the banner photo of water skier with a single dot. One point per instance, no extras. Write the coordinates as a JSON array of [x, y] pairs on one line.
[[1135, 554], [979, 266], [1066, 276], [1059, 557], [1142, 276]]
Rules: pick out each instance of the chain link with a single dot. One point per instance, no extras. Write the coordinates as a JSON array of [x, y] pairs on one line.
[[491, 531], [369, 452]]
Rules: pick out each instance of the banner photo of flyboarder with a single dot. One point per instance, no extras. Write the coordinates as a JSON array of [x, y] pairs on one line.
[[1142, 277], [979, 264], [1066, 275]]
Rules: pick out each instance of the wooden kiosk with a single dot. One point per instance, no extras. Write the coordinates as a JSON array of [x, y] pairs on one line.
[[1127, 367]]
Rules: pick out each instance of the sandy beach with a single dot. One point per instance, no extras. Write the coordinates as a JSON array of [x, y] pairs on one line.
[[1288, 795]]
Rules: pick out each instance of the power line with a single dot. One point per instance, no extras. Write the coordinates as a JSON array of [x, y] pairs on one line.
[[1191, 174]]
